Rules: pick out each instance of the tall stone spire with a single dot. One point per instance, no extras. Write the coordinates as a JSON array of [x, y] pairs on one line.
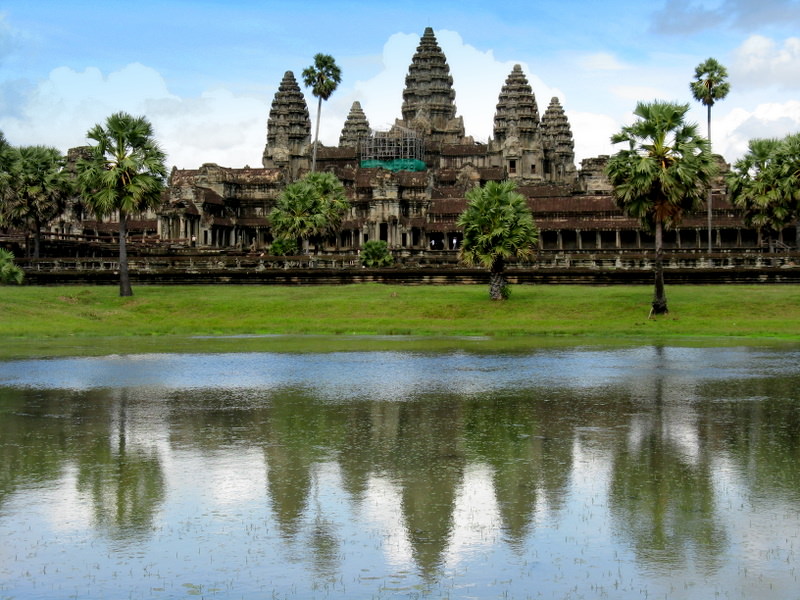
[[288, 127], [557, 139], [356, 127], [517, 113], [429, 98]]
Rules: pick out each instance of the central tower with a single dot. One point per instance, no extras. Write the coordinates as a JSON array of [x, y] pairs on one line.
[[429, 98]]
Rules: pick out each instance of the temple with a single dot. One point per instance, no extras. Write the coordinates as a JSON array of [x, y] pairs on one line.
[[407, 185]]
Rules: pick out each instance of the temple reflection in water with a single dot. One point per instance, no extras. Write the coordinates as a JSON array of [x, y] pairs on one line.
[[645, 461]]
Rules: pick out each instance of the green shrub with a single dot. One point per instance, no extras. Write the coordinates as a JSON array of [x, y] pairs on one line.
[[284, 247], [376, 254], [9, 272]]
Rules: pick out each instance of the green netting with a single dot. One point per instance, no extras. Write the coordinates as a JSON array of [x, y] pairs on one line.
[[399, 164]]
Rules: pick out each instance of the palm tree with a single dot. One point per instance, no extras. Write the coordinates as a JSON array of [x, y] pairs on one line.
[[661, 174], [37, 189], [498, 227], [310, 208], [709, 85], [765, 182], [322, 77], [125, 172]]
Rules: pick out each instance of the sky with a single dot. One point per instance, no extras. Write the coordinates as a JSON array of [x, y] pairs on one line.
[[205, 72]]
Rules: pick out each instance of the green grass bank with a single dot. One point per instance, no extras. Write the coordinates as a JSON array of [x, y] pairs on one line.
[[95, 320]]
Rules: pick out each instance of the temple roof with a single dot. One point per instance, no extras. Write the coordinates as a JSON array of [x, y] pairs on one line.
[[429, 85], [517, 113], [356, 127], [288, 118], [556, 132]]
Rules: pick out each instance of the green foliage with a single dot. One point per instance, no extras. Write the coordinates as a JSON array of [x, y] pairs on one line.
[[665, 168], [284, 247], [35, 188], [765, 182], [710, 83], [661, 174], [310, 209], [125, 172], [375, 253], [498, 227], [323, 77], [9, 272], [126, 168]]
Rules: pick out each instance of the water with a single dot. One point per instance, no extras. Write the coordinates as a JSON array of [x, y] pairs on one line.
[[647, 472]]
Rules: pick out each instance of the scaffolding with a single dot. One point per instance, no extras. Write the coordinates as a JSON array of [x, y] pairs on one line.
[[397, 144]]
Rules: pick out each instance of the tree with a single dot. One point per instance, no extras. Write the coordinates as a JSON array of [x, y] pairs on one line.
[[124, 173], [9, 272], [310, 208], [709, 85], [322, 77], [498, 228], [375, 253], [37, 188], [765, 182], [661, 174]]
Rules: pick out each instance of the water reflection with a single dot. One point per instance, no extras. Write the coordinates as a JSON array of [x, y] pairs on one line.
[[393, 475]]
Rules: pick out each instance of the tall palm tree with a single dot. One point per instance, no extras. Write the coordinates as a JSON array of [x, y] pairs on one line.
[[661, 174], [322, 77], [765, 182], [124, 173], [310, 208], [709, 85], [36, 189], [498, 227]]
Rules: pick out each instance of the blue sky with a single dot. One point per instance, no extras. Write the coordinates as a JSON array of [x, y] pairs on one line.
[[205, 72]]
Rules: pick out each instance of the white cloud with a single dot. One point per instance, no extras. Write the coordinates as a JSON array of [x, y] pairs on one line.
[[601, 61], [592, 134], [732, 132], [762, 62], [216, 127]]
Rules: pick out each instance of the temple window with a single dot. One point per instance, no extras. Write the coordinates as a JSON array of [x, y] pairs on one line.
[[512, 166]]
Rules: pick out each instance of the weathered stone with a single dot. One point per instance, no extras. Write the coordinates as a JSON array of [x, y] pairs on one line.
[[356, 128], [429, 98], [288, 128], [558, 142]]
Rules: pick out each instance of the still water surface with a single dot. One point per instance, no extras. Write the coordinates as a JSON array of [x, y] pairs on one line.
[[648, 472]]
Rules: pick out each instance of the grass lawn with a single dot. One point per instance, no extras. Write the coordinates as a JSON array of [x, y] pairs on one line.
[[31, 317]]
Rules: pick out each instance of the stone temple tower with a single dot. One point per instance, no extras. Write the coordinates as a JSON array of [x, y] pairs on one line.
[[288, 129], [517, 142], [559, 164], [356, 128], [429, 98]]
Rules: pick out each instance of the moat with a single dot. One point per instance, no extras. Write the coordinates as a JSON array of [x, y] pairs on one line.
[[634, 472]]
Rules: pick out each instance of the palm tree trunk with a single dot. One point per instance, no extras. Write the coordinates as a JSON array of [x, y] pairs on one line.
[[124, 278], [708, 203], [316, 138], [497, 281], [37, 237], [659, 297]]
